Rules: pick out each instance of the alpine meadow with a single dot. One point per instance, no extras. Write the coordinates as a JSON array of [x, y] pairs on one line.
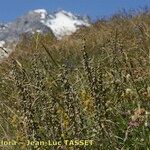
[[92, 85]]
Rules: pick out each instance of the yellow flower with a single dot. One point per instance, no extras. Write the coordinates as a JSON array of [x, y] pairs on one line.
[[86, 101]]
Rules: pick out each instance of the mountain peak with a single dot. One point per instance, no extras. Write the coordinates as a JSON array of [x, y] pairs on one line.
[[64, 23], [42, 12], [60, 23]]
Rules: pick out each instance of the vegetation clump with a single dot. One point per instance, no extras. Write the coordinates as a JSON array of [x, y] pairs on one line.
[[92, 85]]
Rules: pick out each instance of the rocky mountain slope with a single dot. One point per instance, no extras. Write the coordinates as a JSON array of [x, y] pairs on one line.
[[60, 23]]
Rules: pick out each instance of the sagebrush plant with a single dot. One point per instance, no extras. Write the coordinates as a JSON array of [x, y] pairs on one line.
[[94, 84]]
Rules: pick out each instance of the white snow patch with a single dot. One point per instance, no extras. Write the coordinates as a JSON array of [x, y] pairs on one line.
[[42, 12], [38, 31], [2, 43], [2, 28], [64, 23], [3, 50]]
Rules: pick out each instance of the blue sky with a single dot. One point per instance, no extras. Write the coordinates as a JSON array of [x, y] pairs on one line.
[[10, 9]]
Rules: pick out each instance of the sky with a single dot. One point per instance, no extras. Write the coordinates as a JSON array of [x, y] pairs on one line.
[[11, 9]]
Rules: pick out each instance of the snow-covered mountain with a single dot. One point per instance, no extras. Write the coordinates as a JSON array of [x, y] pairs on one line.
[[63, 23], [59, 23]]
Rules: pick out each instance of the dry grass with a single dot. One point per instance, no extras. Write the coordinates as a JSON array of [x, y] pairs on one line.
[[93, 85]]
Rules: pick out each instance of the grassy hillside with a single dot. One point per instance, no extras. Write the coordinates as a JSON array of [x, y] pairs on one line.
[[93, 85]]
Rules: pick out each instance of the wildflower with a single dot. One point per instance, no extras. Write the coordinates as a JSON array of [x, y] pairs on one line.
[[146, 124], [134, 124], [137, 118], [129, 91], [128, 77], [146, 118]]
